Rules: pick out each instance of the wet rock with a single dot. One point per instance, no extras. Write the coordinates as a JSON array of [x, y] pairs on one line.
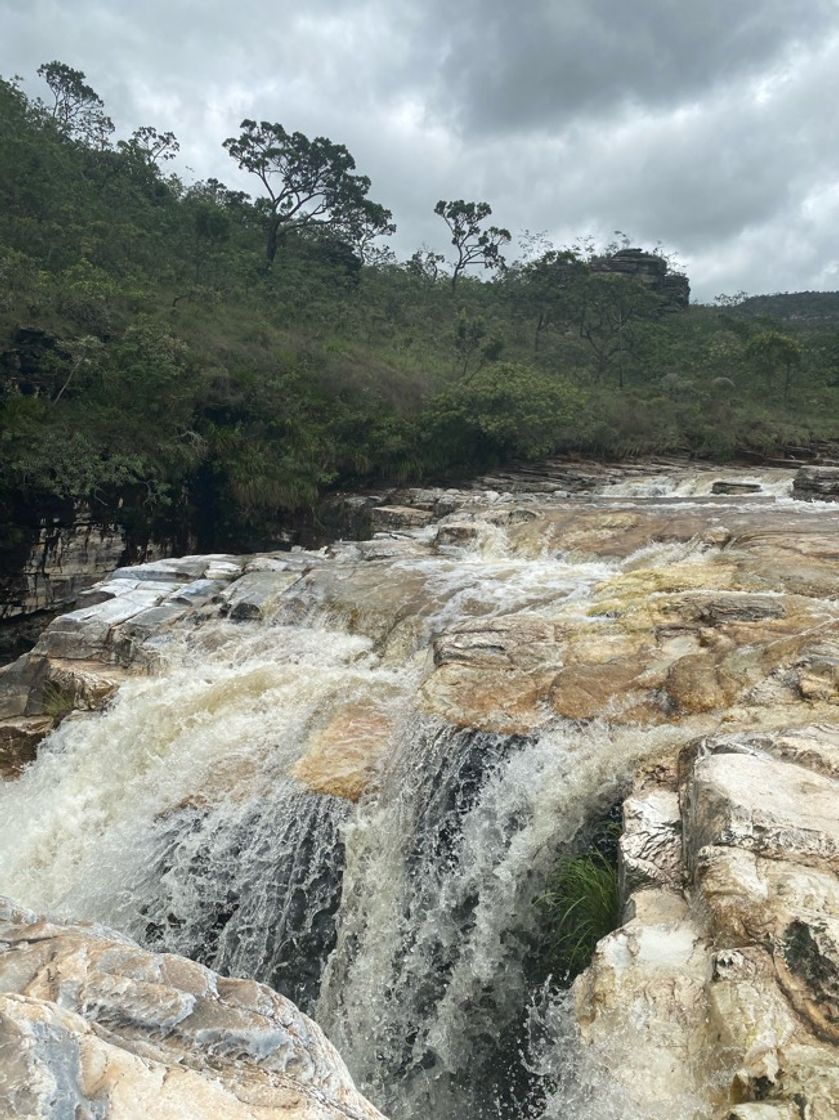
[[78, 685], [85, 634], [18, 681], [90, 1024], [725, 487], [257, 594], [458, 534], [343, 757], [750, 1017], [19, 739], [759, 1035], [765, 1110], [647, 982], [389, 518], [816, 484], [651, 842]]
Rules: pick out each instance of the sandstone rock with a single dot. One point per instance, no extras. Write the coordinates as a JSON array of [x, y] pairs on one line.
[[257, 594], [775, 809], [816, 484], [17, 683], [644, 999], [343, 757], [85, 634], [651, 841], [19, 739], [182, 569], [198, 592], [388, 518], [758, 1037], [63, 561], [650, 270], [765, 1110], [92, 1025], [457, 534], [86, 685], [752, 1021]]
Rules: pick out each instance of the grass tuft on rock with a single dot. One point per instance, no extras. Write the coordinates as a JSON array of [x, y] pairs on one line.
[[580, 905]]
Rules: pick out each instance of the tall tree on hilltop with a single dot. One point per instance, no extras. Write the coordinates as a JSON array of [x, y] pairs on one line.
[[150, 146], [474, 245], [78, 111], [309, 185]]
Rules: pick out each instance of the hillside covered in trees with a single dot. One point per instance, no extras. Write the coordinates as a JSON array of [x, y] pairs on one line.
[[204, 364]]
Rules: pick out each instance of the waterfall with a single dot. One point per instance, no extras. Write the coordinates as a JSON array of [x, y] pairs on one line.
[[428, 992], [404, 922]]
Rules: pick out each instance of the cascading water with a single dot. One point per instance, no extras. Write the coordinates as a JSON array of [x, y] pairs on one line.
[[405, 924]]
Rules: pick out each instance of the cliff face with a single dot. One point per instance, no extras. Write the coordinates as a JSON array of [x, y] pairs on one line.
[[650, 270], [348, 773], [62, 560]]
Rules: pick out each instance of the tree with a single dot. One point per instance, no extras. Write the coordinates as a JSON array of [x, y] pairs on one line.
[[771, 351], [606, 307], [425, 265], [540, 286], [309, 185], [78, 111], [474, 245], [149, 145], [471, 342]]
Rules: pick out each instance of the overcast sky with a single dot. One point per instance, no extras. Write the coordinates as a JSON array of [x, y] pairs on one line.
[[707, 125]]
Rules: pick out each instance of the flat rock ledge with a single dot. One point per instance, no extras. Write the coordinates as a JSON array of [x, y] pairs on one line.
[[93, 1026], [718, 999]]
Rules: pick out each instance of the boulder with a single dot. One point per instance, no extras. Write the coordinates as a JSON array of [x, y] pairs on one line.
[[775, 809], [816, 484], [93, 1025]]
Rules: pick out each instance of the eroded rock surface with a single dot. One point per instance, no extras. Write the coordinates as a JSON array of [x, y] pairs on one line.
[[729, 960], [92, 1025]]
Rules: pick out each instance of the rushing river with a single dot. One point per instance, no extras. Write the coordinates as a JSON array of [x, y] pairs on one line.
[[404, 923]]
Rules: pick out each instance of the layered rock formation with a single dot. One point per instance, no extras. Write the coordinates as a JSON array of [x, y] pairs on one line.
[[650, 270], [817, 484], [722, 987], [92, 1025], [676, 628], [62, 561]]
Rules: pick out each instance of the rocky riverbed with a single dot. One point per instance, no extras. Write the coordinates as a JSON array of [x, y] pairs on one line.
[[347, 773]]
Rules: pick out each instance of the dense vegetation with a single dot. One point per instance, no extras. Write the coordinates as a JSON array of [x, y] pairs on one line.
[[192, 360]]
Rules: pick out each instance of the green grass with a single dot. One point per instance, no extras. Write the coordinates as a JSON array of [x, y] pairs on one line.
[[580, 906], [56, 701]]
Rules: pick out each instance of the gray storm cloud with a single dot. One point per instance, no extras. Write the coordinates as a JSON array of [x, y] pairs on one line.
[[706, 126]]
